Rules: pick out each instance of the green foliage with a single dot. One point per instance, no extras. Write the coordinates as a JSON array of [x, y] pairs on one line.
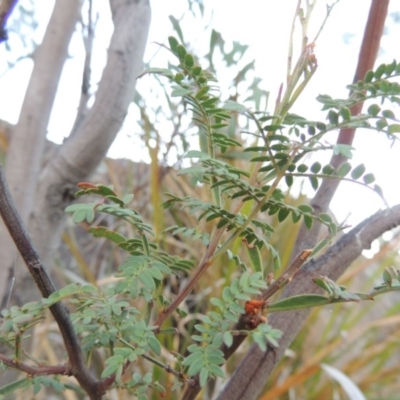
[[215, 329], [346, 337], [280, 148], [247, 175], [379, 84]]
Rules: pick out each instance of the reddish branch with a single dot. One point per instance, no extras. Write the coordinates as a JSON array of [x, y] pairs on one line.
[[366, 60], [198, 273], [250, 377], [23, 242], [36, 371]]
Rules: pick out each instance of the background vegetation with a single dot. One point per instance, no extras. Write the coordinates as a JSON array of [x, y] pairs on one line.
[[248, 159]]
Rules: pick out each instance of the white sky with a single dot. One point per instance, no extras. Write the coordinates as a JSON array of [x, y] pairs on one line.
[[264, 25]]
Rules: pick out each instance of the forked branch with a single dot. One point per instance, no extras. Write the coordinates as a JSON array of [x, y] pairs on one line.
[[23, 242]]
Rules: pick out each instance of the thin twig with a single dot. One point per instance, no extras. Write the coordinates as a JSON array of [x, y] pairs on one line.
[[35, 371], [148, 357], [88, 37], [329, 9], [286, 277], [290, 50]]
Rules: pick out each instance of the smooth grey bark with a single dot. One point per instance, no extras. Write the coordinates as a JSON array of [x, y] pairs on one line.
[[25, 152], [77, 158], [80, 155]]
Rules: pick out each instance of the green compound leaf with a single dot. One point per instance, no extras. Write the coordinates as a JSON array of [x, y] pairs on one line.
[[308, 220], [13, 386], [315, 168], [373, 110], [394, 128], [82, 212], [299, 302], [369, 76], [173, 43], [314, 182], [234, 106], [379, 71], [368, 178], [196, 365], [358, 171], [216, 370], [343, 169], [204, 374], [115, 237], [154, 344], [109, 370], [255, 258], [147, 280], [305, 208], [180, 92]]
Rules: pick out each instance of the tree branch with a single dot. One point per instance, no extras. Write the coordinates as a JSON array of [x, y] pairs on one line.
[[82, 153], [27, 143], [249, 379], [35, 371], [366, 60], [88, 39], [39, 274], [29, 135], [251, 375]]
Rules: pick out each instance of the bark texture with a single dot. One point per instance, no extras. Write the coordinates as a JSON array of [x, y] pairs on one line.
[[81, 154], [78, 157], [25, 151]]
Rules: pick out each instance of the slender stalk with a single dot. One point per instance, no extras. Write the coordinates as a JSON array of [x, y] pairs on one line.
[[23, 242], [153, 360], [212, 254], [35, 371], [250, 377]]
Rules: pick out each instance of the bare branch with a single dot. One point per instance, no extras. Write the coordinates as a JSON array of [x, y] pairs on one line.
[[88, 37], [35, 371]]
